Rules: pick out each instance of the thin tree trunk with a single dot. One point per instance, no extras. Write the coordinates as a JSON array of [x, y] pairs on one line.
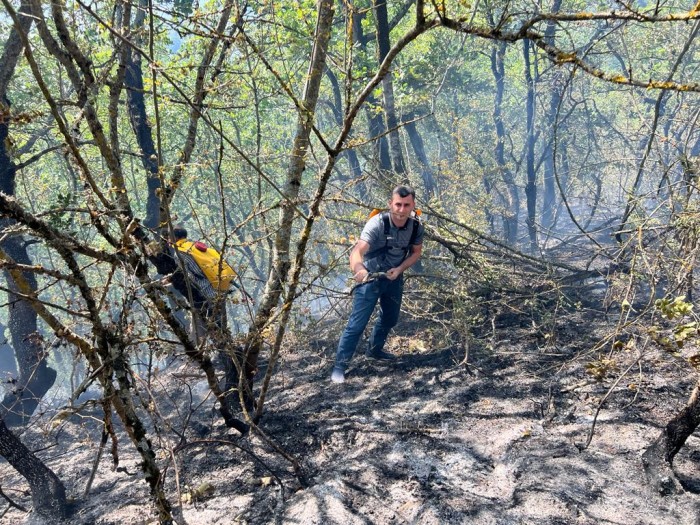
[[392, 122], [281, 260], [140, 123], [35, 377], [512, 201], [374, 117], [427, 175], [531, 184], [351, 154], [196, 108], [556, 89], [549, 196]]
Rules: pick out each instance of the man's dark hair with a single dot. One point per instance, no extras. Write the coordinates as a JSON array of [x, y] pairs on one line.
[[403, 192], [179, 233]]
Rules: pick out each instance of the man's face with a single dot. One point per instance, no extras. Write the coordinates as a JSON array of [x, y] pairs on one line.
[[401, 207]]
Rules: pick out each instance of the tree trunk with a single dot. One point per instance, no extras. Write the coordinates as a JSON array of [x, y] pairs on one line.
[[374, 117], [512, 199], [281, 261], [549, 195], [48, 493], [35, 377], [351, 154], [531, 184], [658, 458], [556, 90], [419, 149], [392, 122], [138, 117], [8, 364], [196, 111]]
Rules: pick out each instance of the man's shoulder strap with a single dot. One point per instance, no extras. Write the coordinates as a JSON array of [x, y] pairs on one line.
[[414, 233], [387, 223]]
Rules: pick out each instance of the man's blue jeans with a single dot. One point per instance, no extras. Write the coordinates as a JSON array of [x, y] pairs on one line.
[[388, 294]]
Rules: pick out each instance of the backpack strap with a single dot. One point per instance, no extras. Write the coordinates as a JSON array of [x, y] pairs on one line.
[[387, 226], [384, 216], [387, 229], [414, 233], [414, 236]]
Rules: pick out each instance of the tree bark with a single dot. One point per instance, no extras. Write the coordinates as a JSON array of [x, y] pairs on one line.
[[48, 492], [136, 103], [512, 199], [374, 117], [429, 184], [658, 458], [531, 184], [8, 364], [351, 154], [556, 89], [34, 376], [392, 122], [196, 110], [549, 196]]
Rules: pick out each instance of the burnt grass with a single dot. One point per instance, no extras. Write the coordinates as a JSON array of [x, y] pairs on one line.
[[428, 439]]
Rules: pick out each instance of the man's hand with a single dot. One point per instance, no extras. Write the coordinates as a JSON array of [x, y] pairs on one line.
[[359, 272], [393, 274], [361, 276]]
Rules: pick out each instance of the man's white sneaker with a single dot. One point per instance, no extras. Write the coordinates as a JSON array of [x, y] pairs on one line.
[[338, 376]]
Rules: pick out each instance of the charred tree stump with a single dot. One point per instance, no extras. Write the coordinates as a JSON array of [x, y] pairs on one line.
[[658, 458]]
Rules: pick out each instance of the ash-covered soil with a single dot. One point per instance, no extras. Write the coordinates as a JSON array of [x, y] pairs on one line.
[[425, 440]]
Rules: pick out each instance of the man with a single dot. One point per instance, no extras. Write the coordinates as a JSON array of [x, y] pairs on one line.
[[177, 262], [390, 243], [209, 305], [199, 275]]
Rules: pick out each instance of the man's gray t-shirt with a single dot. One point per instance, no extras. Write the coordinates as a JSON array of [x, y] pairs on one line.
[[396, 242]]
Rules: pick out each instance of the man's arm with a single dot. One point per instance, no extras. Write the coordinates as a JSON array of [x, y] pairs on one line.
[[412, 259], [357, 267]]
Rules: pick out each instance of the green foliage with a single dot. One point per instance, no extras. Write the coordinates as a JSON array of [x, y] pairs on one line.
[[674, 309], [59, 216], [681, 333]]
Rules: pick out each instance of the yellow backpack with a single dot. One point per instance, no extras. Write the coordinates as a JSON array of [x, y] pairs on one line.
[[217, 270]]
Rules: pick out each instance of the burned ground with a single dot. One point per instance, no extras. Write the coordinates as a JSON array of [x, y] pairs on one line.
[[427, 439]]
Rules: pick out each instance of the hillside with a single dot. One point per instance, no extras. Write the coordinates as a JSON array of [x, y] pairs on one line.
[[426, 440]]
